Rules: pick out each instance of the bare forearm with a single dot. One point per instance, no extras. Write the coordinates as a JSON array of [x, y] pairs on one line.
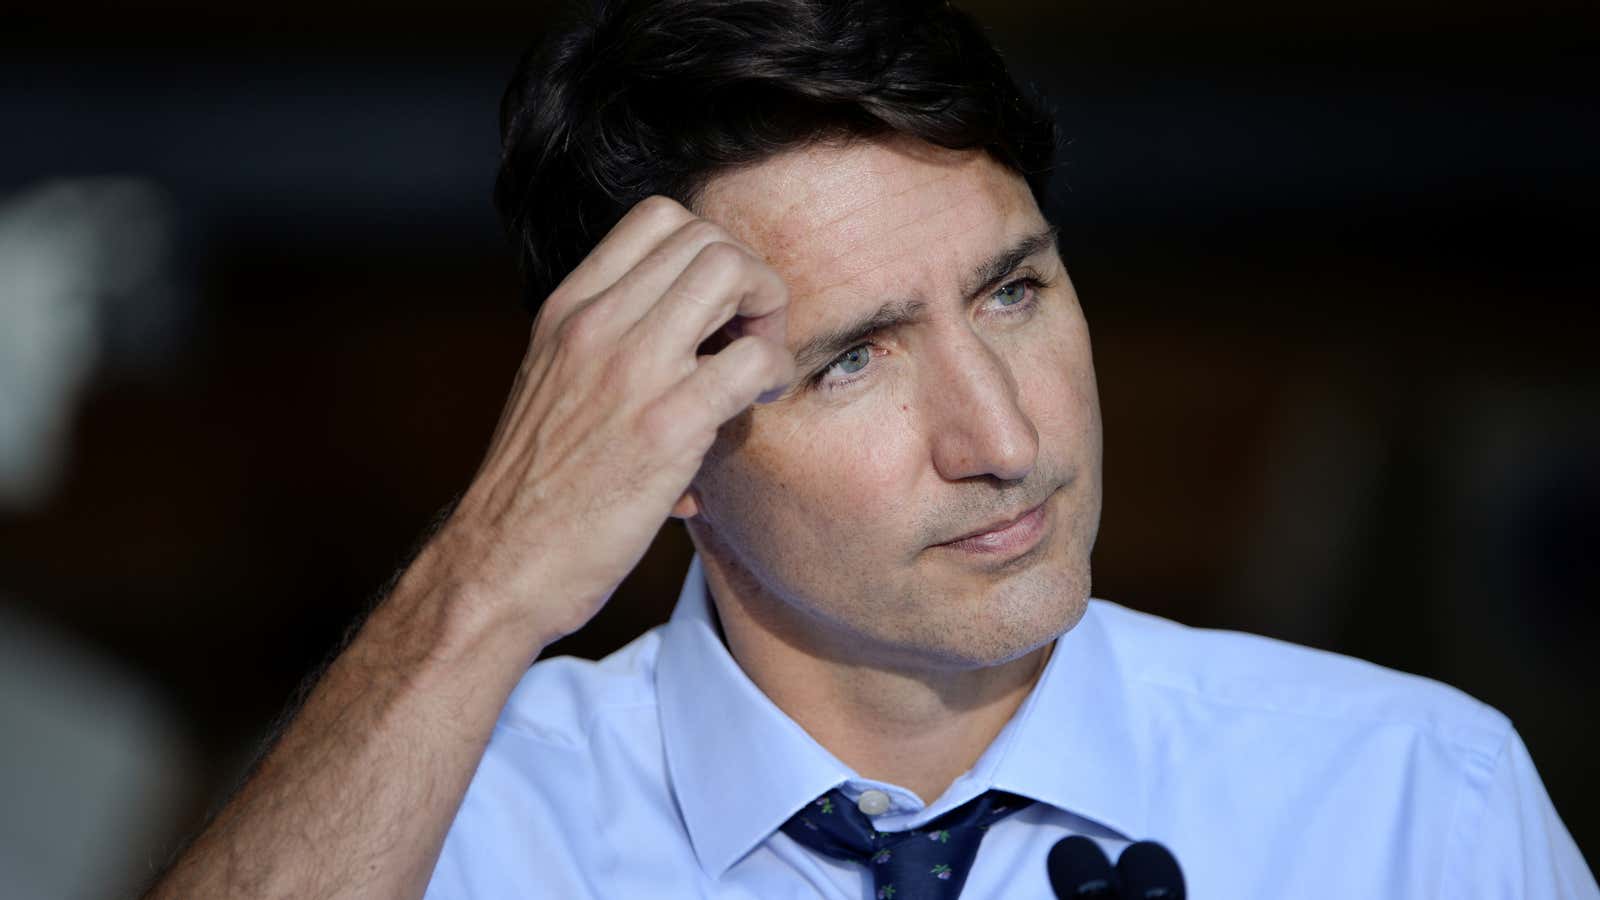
[[355, 800]]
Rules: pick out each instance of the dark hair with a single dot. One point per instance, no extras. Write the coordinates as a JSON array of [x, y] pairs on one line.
[[646, 97]]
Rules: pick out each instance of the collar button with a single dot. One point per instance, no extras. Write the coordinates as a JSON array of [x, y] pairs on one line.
[[873, 803]]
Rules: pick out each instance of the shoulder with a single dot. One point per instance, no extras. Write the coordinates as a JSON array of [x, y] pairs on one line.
[[1252, 674], [563, 700], [576, 751], [1288, 743]]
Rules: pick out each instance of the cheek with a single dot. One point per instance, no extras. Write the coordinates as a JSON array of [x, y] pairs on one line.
[[810, 479], [1055, 381]]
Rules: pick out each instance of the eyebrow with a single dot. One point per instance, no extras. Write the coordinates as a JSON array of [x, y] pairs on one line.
[[1003, 263], [821, 349]]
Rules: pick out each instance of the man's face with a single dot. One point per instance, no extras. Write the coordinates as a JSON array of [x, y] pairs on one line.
[[838, 512]]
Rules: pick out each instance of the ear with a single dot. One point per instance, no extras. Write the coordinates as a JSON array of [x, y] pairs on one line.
[[688, 505]]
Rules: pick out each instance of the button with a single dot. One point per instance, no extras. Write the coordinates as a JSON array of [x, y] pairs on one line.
[[873, 803]]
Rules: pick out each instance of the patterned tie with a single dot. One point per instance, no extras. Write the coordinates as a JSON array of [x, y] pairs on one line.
[[927, 863]]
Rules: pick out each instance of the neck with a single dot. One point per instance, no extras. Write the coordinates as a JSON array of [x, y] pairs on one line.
[[917, 726]]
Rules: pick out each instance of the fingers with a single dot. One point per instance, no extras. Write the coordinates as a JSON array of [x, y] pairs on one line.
[[645, 227], [659, 284], [647, 255], [637, 291], [724, 385], [721, 282]]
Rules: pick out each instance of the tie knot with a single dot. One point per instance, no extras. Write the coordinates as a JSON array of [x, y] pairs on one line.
[[927, 862]]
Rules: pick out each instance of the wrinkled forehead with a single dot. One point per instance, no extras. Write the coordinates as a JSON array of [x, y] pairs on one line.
[[871, 218]]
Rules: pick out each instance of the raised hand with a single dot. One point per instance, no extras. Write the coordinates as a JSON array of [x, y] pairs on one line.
[[611, 413]]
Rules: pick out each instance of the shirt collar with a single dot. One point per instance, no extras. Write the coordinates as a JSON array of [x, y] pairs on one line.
[[740, 767], [1074, 742]]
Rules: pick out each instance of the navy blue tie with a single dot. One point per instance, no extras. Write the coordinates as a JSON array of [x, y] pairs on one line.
[[927, 863]]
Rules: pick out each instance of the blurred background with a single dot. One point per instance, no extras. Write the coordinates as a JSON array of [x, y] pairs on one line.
[[257, 321]]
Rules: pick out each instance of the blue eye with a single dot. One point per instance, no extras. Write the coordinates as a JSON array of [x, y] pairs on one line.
[[853, 360], [1013, 293]]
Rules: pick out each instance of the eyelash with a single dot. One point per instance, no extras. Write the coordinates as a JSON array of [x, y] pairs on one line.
[[1033, 283]]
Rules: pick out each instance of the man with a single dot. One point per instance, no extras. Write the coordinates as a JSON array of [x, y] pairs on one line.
[[846, 353]]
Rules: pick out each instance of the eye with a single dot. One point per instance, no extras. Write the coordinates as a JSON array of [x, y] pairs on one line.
[[853, 360], [846, 368], [1013, 293]]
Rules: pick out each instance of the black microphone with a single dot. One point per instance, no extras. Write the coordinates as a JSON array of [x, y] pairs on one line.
[[1148, 872], [1078, 869]]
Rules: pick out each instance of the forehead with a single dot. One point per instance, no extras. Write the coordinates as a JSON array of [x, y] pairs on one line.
[[869, 217]]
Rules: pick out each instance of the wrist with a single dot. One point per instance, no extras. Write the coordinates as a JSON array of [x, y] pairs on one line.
[[473, 599]]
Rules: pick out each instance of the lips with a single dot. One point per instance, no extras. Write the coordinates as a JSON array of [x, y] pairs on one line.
[[1005, 536]]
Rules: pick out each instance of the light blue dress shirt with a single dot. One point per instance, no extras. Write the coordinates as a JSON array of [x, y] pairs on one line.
[[1270, 771]]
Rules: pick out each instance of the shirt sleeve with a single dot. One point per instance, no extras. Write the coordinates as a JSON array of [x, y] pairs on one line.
[[1517, 847]]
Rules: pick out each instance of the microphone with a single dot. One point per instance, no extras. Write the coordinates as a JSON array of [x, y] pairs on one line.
[[1077, 868], [1148, 872]]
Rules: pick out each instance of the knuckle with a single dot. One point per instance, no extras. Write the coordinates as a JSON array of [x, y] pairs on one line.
[[721, 259], [556, 304], [583, 325], [702, 231], [660, 211], [543, 322], [660, 426]]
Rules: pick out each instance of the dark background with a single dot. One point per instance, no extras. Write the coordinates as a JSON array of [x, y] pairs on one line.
[[1337, 260]]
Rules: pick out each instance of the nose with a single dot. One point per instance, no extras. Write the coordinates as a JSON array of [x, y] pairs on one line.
[[978, 426]]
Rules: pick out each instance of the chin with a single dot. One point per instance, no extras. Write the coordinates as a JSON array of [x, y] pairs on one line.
[[1005, 621], [1031, 611]]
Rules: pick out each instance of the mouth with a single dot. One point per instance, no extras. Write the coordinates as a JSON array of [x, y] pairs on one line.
[[1006, 537]]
